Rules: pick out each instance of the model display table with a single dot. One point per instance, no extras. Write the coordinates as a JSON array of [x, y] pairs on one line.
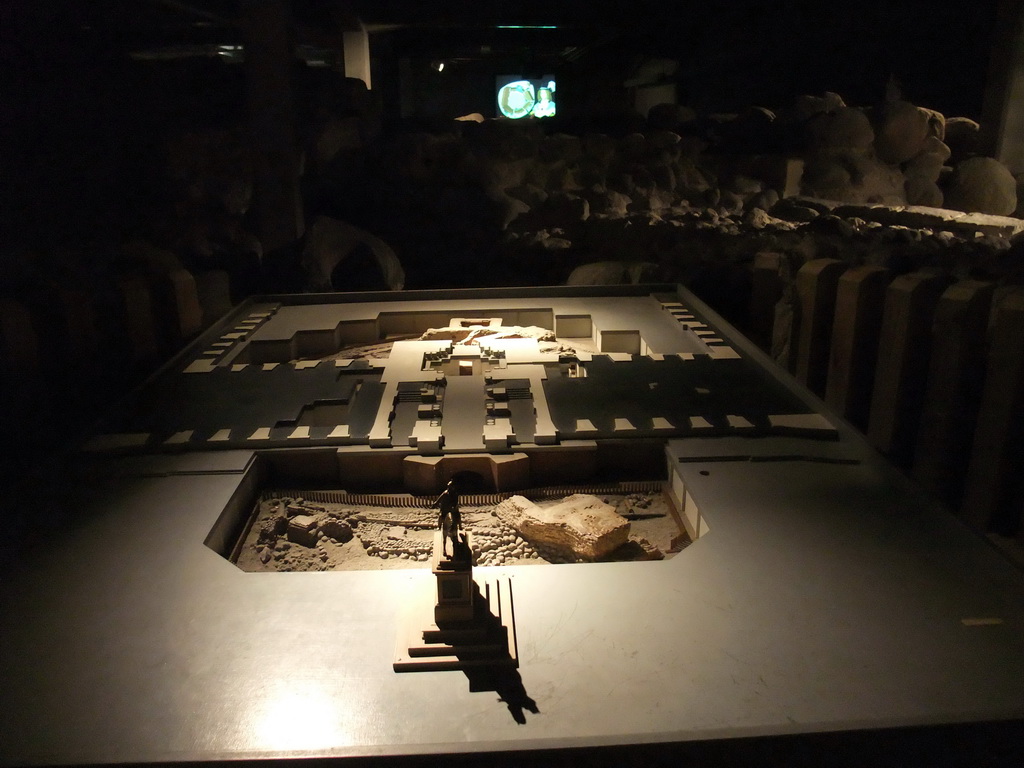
[[821, 591]]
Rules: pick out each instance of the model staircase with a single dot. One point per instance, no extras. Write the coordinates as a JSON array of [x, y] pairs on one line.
[[484, 640], [467, 626]]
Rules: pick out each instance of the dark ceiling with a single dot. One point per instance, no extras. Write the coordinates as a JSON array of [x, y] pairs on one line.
[[743, 50]]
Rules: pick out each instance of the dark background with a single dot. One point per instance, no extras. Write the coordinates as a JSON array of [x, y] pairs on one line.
[[81, 122]]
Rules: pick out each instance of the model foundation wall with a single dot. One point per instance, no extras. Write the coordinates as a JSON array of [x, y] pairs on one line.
[[685, 507], [372, 470], [430, 474]]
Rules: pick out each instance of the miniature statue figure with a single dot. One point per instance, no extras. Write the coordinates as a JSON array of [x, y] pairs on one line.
[[449, 520]]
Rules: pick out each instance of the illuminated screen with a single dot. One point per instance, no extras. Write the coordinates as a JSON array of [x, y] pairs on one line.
[[519, 97]]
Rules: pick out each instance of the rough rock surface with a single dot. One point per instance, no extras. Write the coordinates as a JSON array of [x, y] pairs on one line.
[[853, 177], [302, 530], [845, 128], [922, 191], [901, 131], [582, 524], [927, 164], [982, 185], [336, 529], [807, 106], [671, 202], [963, 137]]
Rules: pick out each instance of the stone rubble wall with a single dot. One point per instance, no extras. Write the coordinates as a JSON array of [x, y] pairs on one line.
[[693, 197]]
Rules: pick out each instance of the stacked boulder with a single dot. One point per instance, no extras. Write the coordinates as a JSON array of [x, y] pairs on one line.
[[690, 198], [842, 162], [984, 185], [892, 154]]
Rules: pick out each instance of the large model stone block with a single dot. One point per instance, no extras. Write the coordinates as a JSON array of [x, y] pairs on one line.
[[582, 524], [302, 530]]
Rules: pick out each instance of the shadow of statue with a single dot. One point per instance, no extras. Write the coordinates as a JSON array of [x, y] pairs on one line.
[[498, 674], [508, 684]]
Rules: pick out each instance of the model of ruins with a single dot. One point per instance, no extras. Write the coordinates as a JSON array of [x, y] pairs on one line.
[[298, 534], [553, 412]]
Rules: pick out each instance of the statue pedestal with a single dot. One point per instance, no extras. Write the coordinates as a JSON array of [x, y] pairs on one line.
[[469, 625], [454, 577]]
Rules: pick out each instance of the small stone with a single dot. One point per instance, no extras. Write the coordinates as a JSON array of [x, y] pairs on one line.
[[757, 218], [384, 555], [830, 224], [790, 211], [339, 530]]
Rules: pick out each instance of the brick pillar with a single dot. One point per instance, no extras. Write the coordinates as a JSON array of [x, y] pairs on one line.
[[903, 354], [994, 483], [816, 286], [854, 347], [955, 376]]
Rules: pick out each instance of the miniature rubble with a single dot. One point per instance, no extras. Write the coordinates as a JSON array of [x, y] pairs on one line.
[[582, 525], [476, 333], [293, 534]]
